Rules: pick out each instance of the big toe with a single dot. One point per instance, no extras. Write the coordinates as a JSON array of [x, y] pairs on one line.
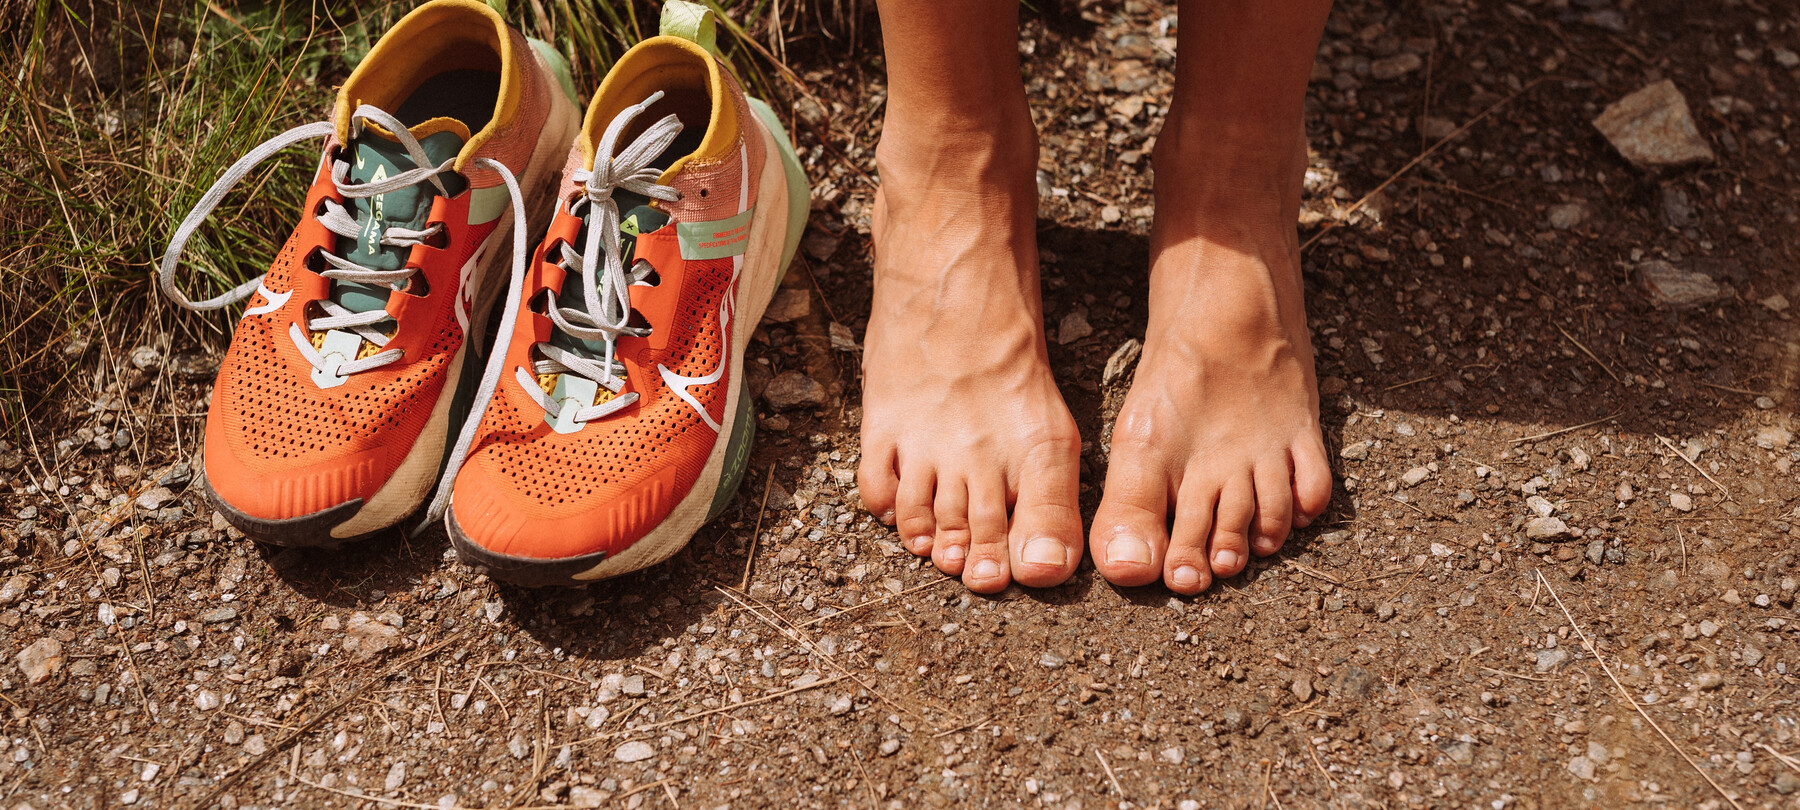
[[1128, 537], [1046, 524]]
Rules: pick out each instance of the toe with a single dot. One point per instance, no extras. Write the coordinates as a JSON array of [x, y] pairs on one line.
[[879, 482], [1312, 483], [1274, 507], [1129, 535], [912, 509], [950, 546], [1229, 546], [986, 570], [1046, 524], [1185, 568]]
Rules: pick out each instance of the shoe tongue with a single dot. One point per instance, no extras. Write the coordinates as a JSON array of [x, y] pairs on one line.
[[376, 155], [639, 218]]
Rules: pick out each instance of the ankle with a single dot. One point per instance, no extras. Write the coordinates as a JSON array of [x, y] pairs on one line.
[[1214, 167], [938, 150]]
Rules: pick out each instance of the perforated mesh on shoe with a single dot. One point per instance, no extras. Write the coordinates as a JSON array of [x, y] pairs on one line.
[[609, 456]]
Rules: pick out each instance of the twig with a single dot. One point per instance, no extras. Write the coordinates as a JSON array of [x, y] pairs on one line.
[[1736, 390], [383, 800], [1321, 765], [1683, 541], [1513, 674], [1625, 693], [1354, 207], [641, 788], [1591, 356], [1314, 572], [1262, 796], [1783, 758], [964, 727], [709, 712], [669, 791], [1697, 468], [888, 598], [1427, 378], [1109, 774], [750, 558], [874, 800], [1523, 439]]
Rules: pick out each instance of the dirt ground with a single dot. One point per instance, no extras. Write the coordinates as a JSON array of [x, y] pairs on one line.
[[1535, 461]]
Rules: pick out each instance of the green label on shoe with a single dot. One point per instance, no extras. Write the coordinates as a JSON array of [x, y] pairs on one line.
[[718, 239]]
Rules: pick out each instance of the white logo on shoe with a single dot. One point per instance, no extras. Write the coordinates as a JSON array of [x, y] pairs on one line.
[[276, 301], [680, 384]]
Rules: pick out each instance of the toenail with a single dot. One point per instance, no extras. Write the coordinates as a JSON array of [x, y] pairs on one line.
[[887, 517], [1045, 551], [986, 569], [1186, 576], [953, 553], [1225, 560], [918, 543], [1128, 549]]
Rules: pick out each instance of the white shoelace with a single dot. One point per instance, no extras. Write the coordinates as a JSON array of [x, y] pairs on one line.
[[605, 314], [338, 221]]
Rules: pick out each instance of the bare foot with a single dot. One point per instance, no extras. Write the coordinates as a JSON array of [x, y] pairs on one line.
[[1221, 427], [962, 424]]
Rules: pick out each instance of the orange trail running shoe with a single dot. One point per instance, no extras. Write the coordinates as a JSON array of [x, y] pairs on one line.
[[620, 425], [332, 412]]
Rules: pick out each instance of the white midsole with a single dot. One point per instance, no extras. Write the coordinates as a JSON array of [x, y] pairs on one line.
[[412, 481], [756, 285]]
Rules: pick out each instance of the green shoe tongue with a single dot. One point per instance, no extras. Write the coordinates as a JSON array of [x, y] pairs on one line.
[[378, 157], [639, 218]]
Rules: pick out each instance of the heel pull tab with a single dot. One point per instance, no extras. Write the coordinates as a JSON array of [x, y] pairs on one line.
[[692, 22]]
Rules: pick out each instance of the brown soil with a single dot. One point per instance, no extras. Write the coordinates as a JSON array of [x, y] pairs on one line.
[[1411, 650]]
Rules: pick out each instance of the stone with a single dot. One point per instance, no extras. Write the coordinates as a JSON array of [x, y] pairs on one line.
[[366, 636], [155, 497], [1786, 783], [634, 751], [584, 796], [1415, 476], [633, 686], [1582, 767], [1682, 501], [144, 358], [1355, 452], [1051, 660], [14, 589], [1121, 361], [1769, 437], [1551, 659], [1567, 215], [396, 776], [1775, 303], [1624, 493], [788, 305], [1654, 127], [1677, 209], [793, 389], [820, 245], [1540, 506], [1395, 66], [1547, 528], [1596, 551], [40, 660], [219, 615], [1074, 327], [1672, 287], [1709, 628], [1172, 756], [206, 700], [1302, 687], [889, 747]]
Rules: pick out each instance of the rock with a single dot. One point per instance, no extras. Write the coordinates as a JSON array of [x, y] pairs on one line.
[[144, 358], [889, 747], [1395, 66], [1415, 476], [1681, 501], [1775, 303], [194, 367], [1111, 213], [788, 305], [633, 686], [820, 245], [840, 706], [1074, 327], [1551, 659], [219, 615], [1752, 656], [1582, 767], [1547, 528], [396, 776], [1355, 452], [1672, 287], [586, 797], [1677, 209], [41, 659], [1769, 437], [1709, 628], [1786, 783], [1579, 459], [1567, 215], [842, 339], [1187, 804], [1302, 687], [1653, 127], [1540, 506], [1051, 660], [177, 475], [14, 589], [1624, 493], [1436, 129], [793, 389], [155, 497], [1596, 551], [205, 700], [1172, 756], [634, 751], [1121, 361], [367, 636]]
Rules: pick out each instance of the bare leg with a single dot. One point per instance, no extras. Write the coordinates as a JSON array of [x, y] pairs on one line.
[[967, 444], [1221, 427]]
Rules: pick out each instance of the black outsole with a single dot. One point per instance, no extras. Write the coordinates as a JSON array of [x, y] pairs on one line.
[[305, 531], [531, 572]]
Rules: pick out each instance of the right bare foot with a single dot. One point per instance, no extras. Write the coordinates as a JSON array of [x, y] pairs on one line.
[[962, 423]]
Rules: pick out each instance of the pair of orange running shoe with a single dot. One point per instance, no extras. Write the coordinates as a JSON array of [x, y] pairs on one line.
[[603, 420]]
